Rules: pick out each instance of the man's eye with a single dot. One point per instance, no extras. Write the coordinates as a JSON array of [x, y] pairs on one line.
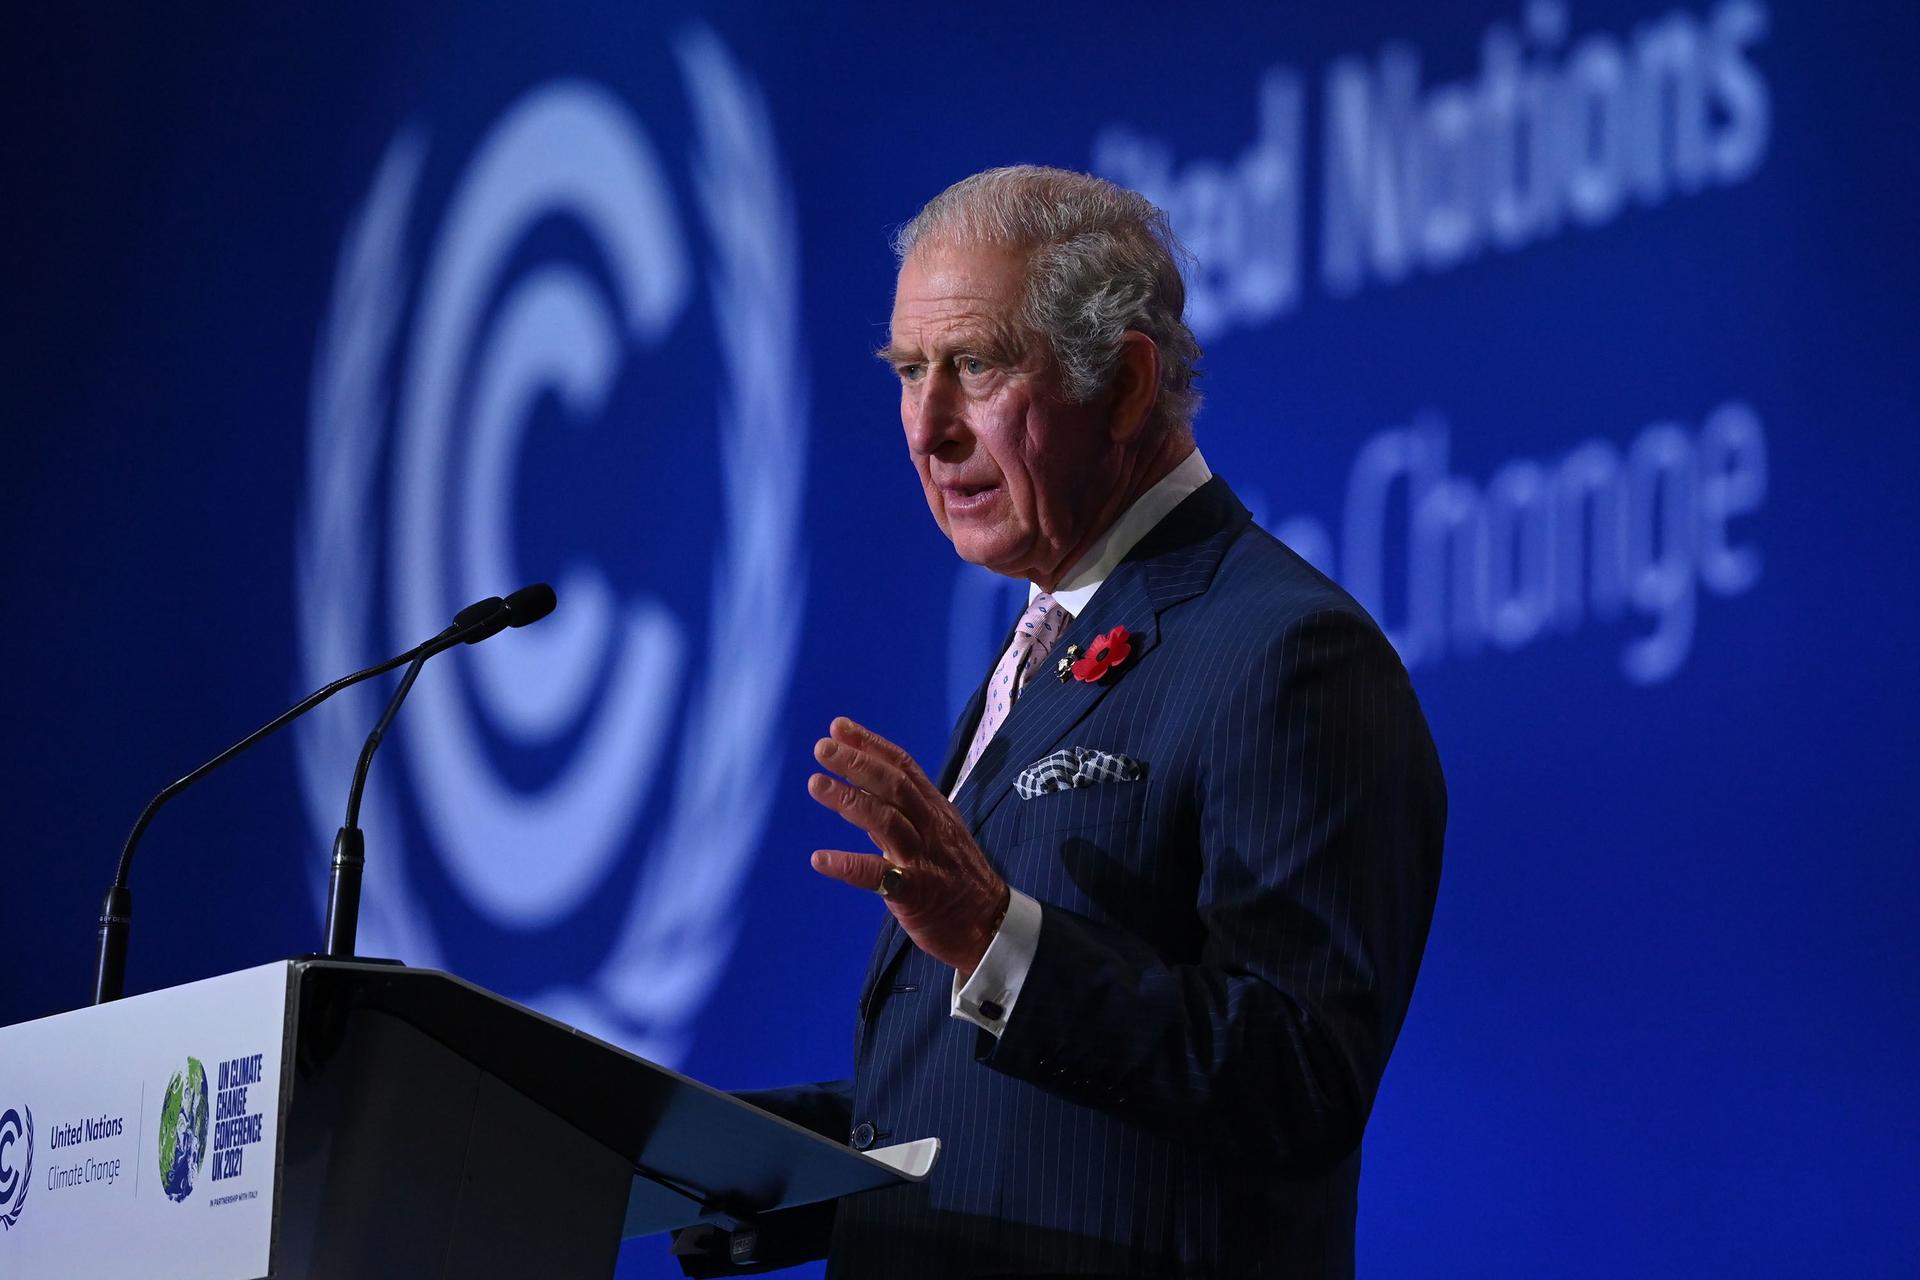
[[910, 372], [972, 364]]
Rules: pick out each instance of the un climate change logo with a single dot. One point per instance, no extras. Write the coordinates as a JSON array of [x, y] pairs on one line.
[[16, 1139], [605, 747], [183, 1130]]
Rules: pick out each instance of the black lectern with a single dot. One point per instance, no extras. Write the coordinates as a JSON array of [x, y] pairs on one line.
[[350, 1120], [523, 1147]]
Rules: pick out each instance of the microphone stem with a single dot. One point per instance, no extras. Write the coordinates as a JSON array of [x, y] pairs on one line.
[[476, 622], [342, 926], [373, 739], [279, 722], [116, 911]]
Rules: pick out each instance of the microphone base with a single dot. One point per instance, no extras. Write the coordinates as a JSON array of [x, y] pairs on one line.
[[343, 893], [110, 959]]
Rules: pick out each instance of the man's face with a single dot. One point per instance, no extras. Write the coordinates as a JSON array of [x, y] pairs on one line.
[[1015, 475]]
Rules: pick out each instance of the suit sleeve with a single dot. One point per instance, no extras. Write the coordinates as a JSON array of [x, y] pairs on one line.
[[1317, 814]]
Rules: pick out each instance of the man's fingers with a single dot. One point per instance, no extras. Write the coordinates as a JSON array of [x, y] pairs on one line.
[[858, 735], [889, 827], [870, 761], [861, 870], [870, 772]]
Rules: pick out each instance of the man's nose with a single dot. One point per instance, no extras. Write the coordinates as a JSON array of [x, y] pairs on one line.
[[933, 415]]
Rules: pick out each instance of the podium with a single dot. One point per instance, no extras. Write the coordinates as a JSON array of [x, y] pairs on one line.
[[324, 1120]]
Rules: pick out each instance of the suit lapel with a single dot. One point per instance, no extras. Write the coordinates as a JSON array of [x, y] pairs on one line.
[[1048, 707], [1174, 562]]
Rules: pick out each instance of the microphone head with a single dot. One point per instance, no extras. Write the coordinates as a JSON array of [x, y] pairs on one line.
[[530, 604], [478, 610], [487, 617]]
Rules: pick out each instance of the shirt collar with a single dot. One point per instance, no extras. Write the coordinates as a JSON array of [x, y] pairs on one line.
[[1077, 588]]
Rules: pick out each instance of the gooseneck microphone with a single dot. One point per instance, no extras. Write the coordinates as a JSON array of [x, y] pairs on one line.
[[475, 622], [472, 624]]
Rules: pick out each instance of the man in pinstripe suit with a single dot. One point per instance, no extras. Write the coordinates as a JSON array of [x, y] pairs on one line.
[[1153, 930]]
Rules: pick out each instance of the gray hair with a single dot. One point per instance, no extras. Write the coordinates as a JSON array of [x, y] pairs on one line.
[[1102, 261]]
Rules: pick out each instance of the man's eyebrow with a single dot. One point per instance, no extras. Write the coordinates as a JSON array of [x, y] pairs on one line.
[[996, 342]]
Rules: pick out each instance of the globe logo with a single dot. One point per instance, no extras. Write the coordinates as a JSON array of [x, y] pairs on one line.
[[183, 1130], [15, 1136]]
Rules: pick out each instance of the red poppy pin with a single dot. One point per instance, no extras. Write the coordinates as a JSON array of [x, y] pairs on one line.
[[1103, 655]]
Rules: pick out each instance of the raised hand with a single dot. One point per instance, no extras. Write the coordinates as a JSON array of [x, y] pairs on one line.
[[945, 894]]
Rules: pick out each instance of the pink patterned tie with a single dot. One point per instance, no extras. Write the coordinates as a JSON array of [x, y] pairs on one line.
[[1043, 623]]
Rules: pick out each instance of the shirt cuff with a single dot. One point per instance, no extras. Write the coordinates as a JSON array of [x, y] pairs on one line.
[[988, 997]]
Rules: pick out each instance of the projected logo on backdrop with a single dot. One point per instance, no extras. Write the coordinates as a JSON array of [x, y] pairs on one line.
[[665, 773]]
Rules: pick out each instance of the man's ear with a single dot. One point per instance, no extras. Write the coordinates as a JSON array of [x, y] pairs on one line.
[[1136, 385]]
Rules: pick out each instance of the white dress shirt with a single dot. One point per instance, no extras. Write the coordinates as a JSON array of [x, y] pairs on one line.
[[988, 997]]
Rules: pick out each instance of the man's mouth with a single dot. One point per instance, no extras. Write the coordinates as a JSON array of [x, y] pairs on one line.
[[962, 498]]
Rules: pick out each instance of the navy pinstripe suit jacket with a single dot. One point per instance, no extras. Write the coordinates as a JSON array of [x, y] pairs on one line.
[[1227, 950]]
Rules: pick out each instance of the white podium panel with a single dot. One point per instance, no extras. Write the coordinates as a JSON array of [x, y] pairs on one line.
[[141, 1138]]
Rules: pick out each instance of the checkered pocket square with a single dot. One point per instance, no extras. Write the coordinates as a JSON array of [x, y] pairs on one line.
[[1076, 767]]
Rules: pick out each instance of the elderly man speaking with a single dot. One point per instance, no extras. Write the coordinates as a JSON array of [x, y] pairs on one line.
[[1154, 925]]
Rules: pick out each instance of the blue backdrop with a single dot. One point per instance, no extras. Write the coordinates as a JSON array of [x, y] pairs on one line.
[[1577, 340]]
